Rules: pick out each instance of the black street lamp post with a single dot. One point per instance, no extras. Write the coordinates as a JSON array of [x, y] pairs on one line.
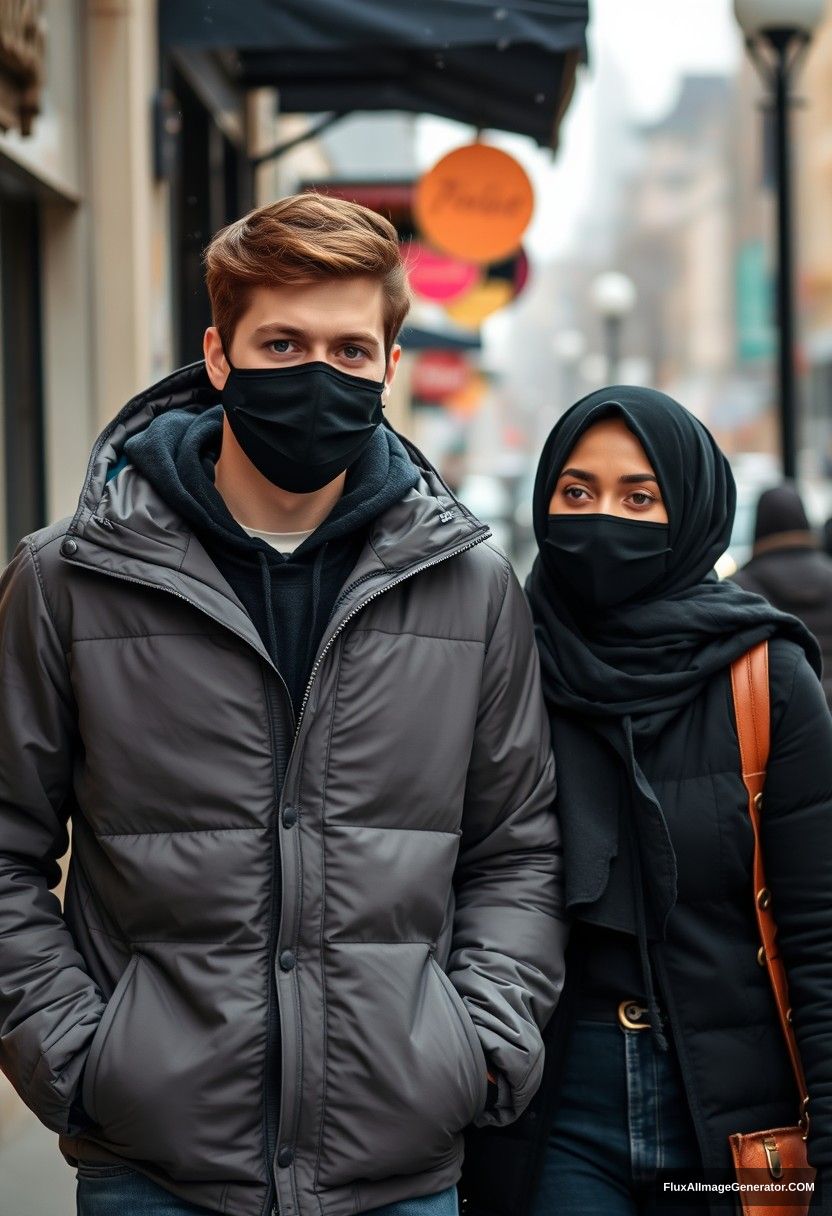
[[614, 298], [777, 34]]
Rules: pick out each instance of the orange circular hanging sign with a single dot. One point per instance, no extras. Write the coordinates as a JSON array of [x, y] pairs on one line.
[[475, 203]]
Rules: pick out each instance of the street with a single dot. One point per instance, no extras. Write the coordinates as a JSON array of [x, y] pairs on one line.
[[34, 1178]]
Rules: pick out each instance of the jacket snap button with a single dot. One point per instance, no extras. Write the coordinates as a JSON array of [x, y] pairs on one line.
[[69, 547], [285, 1158], [290, 817], [287, 960]]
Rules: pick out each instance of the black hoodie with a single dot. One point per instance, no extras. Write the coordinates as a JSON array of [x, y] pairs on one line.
[[288, 597]]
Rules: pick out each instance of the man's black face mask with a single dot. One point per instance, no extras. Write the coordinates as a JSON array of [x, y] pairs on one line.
[[301, 426]]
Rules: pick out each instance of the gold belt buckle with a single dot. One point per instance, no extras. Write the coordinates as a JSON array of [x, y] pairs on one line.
[[629, 1015]]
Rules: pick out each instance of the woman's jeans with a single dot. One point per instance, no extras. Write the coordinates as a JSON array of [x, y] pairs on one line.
[[118, 1191], [622, 1119]]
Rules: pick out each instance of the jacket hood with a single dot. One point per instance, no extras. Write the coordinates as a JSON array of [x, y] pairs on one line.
[[123, 526], [177, 453], [780, 510]]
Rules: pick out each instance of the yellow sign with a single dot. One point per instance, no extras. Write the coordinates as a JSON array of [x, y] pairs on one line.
[[475, 204], [480, 302]]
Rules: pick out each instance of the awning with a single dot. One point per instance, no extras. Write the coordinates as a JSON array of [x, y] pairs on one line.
[[507, 66], [417, 338]]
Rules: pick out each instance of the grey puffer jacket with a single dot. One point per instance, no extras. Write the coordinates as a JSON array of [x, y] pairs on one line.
[[372, 914]]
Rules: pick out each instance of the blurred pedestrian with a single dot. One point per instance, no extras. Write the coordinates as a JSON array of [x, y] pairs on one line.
[[789, 569], [667, 1039], [826, 538], [291, 701]]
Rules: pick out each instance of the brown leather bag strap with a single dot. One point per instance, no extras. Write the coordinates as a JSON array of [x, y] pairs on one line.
[[752, 708]]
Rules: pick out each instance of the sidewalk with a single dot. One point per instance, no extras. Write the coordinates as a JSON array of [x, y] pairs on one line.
[[34, 1178]]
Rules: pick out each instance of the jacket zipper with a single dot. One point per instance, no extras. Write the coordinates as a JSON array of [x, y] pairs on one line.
[[436, 561], [287, 1135], [274, 1012], [280, 764]]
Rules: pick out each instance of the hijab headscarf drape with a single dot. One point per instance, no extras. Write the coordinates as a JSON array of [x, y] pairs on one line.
[[613, 679]]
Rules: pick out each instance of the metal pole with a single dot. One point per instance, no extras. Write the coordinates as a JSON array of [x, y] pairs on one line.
[[782, 41]]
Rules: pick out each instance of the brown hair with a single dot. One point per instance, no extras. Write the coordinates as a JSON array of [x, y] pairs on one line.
[[305, 238]]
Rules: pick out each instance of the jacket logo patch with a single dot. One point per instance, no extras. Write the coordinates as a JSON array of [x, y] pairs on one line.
[[446, 516]]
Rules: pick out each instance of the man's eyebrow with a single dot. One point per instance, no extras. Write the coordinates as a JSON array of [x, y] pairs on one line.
[[291, 331], [364, 339]]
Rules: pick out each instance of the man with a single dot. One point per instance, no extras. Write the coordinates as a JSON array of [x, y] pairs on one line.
[[789, 568], [288, 694]]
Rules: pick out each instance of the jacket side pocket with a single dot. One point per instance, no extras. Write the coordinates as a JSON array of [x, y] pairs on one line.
[[99, 1039], [475, 1050]]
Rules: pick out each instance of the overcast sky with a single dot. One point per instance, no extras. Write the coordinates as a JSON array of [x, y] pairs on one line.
[[650, 45], [657, 41]]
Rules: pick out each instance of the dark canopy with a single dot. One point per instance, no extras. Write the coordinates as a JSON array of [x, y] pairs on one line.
[[417, 338], [508, 66]]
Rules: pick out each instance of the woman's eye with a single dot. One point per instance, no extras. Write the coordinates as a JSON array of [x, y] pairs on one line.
[[576, 493], [642, 500]]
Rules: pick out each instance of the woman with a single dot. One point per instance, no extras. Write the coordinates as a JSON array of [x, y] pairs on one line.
[[666, 1039]]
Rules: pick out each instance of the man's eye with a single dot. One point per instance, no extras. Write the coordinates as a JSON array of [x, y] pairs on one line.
[[354, 352], [280, 346]]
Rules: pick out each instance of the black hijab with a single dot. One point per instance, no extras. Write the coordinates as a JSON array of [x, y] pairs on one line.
[[613, 681]]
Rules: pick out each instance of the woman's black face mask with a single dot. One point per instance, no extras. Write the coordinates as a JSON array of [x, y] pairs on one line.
[[605, 559], [301, 426]]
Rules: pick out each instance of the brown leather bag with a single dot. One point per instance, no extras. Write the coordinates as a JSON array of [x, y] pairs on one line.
[[778, 1152]]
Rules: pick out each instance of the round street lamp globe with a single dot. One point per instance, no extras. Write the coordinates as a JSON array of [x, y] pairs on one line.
[[613, 294], [760, 16]]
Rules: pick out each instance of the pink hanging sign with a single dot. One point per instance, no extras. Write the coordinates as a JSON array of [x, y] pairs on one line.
[[438, 277]]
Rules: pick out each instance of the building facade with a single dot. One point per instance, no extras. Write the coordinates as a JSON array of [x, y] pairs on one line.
[[108, 194]]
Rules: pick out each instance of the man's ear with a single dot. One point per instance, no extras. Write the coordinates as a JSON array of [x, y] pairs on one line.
[[392, 364], [216, 363]]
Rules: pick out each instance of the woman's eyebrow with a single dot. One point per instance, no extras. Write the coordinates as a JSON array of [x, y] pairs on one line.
[[581, 474], [630, 479]]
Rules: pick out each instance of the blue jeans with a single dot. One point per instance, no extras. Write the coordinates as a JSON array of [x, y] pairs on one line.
[[622, 1118], [114, 1190]]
